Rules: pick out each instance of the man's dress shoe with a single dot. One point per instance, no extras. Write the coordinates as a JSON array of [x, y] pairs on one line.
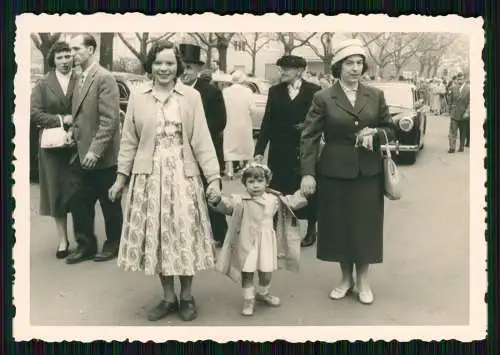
[[78, 256], [106, 255]]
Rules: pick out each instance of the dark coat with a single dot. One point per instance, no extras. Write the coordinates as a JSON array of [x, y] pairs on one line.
[[331, 113], [459, 102], [281, 127], [48, 101], [215, 112]]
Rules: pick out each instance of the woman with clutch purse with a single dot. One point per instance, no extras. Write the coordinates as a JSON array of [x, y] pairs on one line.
[[51, 108], [349, 171]]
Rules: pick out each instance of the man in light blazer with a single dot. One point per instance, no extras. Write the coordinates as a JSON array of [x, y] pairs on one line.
[[459, 114], [95, 111]]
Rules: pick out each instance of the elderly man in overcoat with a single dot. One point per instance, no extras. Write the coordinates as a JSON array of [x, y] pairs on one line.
[[287, 106], [215, 112]]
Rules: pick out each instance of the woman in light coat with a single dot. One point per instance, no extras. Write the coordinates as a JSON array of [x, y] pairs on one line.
[[238, 138]]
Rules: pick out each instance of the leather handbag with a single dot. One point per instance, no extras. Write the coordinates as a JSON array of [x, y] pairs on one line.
[[392, 178], [54, 137]]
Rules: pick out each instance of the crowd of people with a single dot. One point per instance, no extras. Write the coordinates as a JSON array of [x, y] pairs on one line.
[[179, 135]]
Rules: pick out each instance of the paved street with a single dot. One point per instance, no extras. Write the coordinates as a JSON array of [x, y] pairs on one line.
[[423, 280]]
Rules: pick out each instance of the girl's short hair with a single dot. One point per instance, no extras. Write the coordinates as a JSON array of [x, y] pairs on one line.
[[57, 47], [337, 67], [156, 48], [256, 171]]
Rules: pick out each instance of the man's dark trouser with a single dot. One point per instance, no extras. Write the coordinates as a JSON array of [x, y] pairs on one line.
[[217, 220], [95, 186], [457, 127]]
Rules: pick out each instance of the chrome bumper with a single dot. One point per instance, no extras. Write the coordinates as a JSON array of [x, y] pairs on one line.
[[396, 147]]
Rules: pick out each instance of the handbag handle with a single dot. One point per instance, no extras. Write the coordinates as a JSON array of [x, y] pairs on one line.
[[387, 150], [61, 120]]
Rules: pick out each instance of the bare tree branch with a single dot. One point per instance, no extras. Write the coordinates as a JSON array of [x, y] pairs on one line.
[[36, 40], [165, 36], [129, 46]]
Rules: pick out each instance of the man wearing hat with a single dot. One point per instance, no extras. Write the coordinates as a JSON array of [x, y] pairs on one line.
[[459, 114], [215, 112], [287, 106]]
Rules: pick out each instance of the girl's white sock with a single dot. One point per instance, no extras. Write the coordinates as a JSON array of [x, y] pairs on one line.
[[249, 292]]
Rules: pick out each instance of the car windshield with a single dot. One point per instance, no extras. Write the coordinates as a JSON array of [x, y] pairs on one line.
[[397, 96]]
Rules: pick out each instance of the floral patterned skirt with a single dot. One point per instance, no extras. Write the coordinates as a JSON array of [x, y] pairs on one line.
[[166, 229]]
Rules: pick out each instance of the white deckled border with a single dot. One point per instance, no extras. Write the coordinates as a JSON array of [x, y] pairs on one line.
[[27, 23]]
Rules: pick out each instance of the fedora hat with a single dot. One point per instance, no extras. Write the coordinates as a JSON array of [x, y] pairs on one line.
[[291, 61], [191, 53], [347, 48]]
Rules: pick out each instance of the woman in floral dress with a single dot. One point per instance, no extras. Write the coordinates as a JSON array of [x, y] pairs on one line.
[[165, 140]]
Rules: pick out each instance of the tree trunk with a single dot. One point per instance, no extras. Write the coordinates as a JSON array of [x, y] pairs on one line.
[[106, 50], [421, 68], [46, 67], [208, 60], [288, 50], [435, 69], [222, 49], [326, 66], [397, 68], [253, 63], [44, 49]]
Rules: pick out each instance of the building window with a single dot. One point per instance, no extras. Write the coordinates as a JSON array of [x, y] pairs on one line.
[[239, 45]]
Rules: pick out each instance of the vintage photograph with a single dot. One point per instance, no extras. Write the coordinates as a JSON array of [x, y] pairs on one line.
[[210, 181]]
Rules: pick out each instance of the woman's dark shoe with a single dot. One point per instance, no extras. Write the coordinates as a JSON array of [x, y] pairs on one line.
[[163, 309], [62, 253], [308, 240], [188, 310]]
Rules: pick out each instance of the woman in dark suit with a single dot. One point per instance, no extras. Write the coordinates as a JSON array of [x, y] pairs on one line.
[[353, 118], [51, 103]]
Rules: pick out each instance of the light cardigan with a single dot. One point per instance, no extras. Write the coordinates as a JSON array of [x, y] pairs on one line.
[[139, 134]]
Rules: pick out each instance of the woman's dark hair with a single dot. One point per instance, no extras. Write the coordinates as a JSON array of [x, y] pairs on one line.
[[255, 172], [57, 47], [337, 67], [156, 48]]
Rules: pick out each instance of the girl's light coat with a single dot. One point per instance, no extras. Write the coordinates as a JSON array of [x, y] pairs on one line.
[[239, 242]]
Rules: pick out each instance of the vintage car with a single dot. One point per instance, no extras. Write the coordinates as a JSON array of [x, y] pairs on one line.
[[409, 115], [126, 82], [260, 90]]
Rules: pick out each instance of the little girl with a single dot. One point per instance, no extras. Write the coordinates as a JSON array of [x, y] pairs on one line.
[[252, 243]]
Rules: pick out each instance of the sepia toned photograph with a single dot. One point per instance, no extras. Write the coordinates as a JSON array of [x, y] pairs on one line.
[[277, 182]]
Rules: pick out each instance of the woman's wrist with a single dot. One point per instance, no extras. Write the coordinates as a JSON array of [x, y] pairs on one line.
[[121, 179]]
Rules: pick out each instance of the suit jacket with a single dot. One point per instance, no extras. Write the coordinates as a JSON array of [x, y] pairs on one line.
[[331, 113], [215, 112], [459, 102], [48, 101], [96, 117]]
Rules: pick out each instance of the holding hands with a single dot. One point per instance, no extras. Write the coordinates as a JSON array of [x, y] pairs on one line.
[[214, 192], [308, 185]]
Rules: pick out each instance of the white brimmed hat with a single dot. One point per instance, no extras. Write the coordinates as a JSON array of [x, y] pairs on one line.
[[347, 48]]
